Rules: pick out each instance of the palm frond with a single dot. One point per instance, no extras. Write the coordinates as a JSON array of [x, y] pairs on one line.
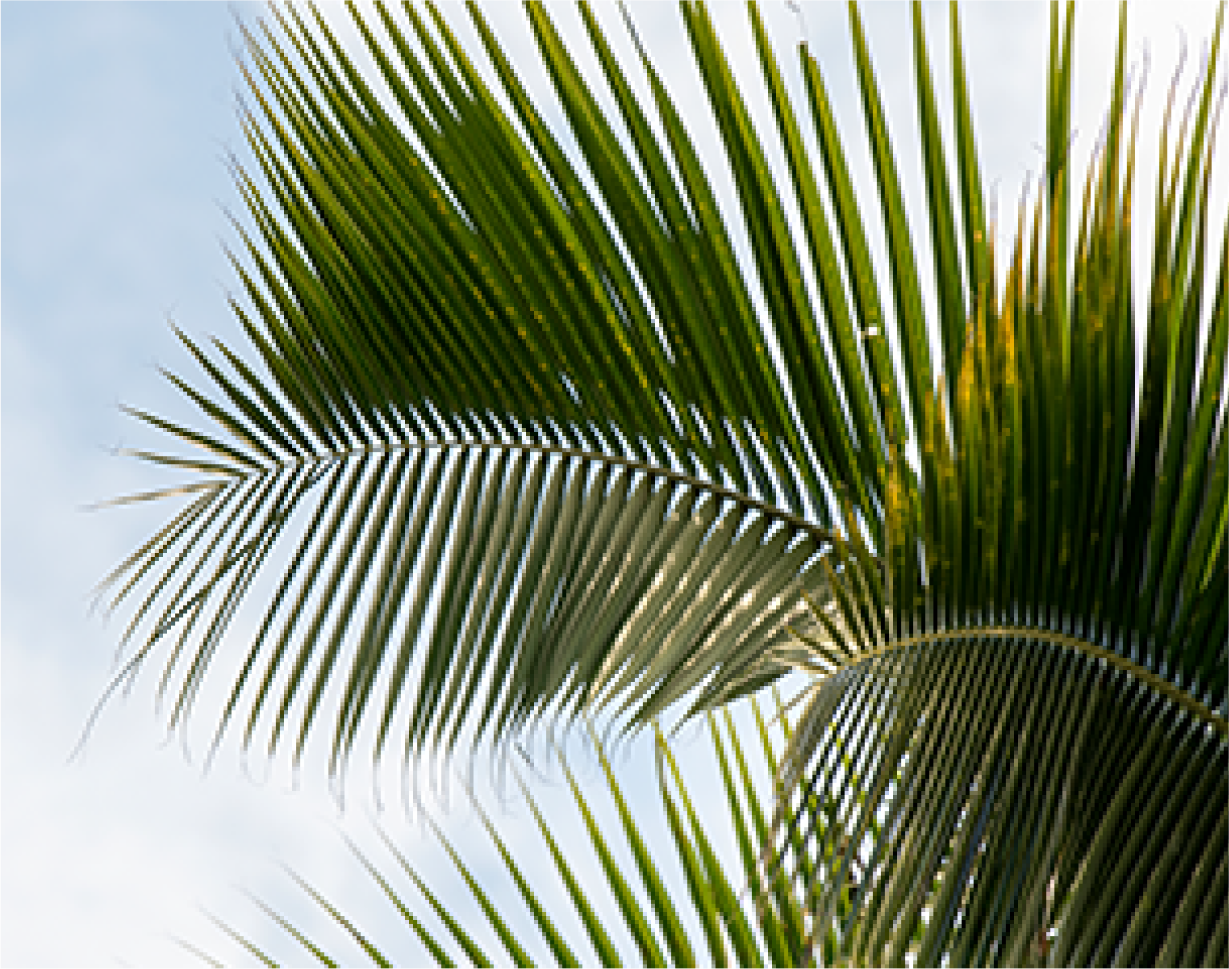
[[517, 551], [533, 459], [520, 406], [644, 917], [1040, 735]]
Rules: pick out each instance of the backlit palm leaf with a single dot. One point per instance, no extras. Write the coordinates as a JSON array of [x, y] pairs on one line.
[[520, 410], [1037, 711], [535, 459]]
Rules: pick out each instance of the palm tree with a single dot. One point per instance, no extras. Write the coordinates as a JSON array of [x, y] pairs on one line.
[[544, 450]]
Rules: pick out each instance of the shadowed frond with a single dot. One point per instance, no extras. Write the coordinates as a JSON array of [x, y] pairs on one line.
[[1037, 707]]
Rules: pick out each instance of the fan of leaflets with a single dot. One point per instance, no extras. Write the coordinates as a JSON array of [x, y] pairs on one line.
[[1032, 723], [515, 421], [523, 463]]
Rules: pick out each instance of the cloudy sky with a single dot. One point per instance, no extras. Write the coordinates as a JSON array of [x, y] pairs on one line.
[[116, 120]]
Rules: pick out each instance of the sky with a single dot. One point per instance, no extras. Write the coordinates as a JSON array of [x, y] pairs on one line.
[[116, 119]]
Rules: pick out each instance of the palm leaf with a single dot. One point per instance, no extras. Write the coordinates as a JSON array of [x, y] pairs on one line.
[[1043, 740], [525, 471], [737, 917], [519, 408]]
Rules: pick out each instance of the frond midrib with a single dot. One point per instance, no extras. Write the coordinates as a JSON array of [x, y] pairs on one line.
[[822, 535], [1192, 705]]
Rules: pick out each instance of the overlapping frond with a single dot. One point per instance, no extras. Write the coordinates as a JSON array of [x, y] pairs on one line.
[[1036, 721]]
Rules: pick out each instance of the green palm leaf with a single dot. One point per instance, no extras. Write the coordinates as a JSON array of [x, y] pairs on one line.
[[737, 917], [526, 471], [1043, 739], [519, 409]]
